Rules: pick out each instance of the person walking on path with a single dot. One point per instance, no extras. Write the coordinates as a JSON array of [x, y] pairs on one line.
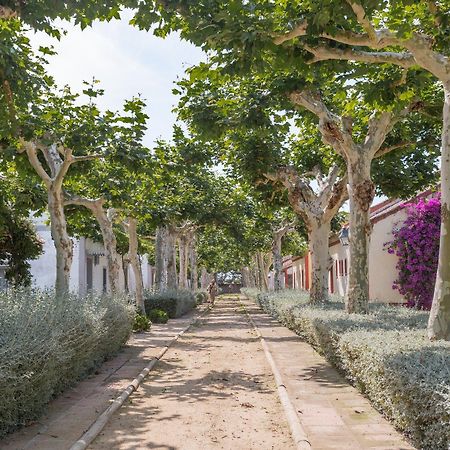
[[212, 291]]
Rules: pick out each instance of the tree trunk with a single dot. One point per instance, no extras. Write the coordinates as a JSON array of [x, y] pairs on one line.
[[110, 244], [439, 320], [61, 239], [161, 259], [193, 260], [204, 278], [125, 263], [135, 265], [171, 258], [361, 193], [183, 244], [262, 272], [319, 235], [277, 264], [246, 278]]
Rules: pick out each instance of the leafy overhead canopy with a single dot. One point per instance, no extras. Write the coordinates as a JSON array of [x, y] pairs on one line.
[[255, 128]]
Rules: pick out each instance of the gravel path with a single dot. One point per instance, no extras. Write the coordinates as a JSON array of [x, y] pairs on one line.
[[213, 390]]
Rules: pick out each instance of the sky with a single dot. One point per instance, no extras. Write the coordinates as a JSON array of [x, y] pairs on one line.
[[127, 62]]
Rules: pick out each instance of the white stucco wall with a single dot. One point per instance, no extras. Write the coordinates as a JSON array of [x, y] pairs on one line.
[[43, 269], [338, 252], [382, 271]]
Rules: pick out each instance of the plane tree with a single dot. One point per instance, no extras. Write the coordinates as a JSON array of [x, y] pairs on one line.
[[110, 189], [408, 38], [257, 120]]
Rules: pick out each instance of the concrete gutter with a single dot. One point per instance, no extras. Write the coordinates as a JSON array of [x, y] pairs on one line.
[[98, 425], [297, 430]]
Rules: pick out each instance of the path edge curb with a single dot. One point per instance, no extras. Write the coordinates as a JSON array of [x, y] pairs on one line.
[[97, 426], [298, 433]]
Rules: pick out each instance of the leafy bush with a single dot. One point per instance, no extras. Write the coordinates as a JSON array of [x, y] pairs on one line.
[[201, 297], [48, 343], [174, 302], [141, 323], [386, 354], [250, 292], [416, 244], [158, 316]]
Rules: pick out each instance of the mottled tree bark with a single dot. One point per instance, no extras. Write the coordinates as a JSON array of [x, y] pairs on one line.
[[131, 228], [439, 321], [172, 281], [337, 132], [58, 159], [316, 209], [204, 279], [105, 221], [318, 237], [193, 258], [361, 192], [161, 259], [61, 239]]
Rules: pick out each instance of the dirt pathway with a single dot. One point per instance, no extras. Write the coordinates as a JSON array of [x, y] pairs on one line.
[[213, 390]]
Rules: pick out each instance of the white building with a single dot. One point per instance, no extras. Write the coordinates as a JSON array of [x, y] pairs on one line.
[[89, 269]]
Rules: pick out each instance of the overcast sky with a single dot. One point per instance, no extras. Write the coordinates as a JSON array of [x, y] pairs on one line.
[[127, 62]]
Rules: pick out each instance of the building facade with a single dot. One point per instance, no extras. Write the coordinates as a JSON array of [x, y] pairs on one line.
[[89, 271], [382, 266]]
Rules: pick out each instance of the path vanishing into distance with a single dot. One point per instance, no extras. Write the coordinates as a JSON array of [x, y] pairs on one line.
[[215, 389]]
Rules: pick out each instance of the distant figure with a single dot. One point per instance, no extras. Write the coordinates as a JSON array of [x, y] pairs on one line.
[[212, 291]]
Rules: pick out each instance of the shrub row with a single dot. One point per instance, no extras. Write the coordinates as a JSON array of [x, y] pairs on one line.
[[158, 316], [49, 343], [385, 354], [174, 302], [201, 297]]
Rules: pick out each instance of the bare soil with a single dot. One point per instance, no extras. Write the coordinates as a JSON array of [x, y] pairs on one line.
[[213, 390]]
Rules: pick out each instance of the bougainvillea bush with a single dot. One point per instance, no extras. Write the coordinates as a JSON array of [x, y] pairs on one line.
[[416, 244]]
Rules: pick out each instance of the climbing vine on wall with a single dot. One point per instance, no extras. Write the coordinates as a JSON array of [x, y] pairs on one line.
[[416, 244]]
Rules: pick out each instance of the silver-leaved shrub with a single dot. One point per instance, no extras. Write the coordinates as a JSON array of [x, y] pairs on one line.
[[386, 354], [48, 343]]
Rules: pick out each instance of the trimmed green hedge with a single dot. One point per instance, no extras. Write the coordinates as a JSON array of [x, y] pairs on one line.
[[49, 343], [385, 354], [174, 302], [201, 297], [158, 316]]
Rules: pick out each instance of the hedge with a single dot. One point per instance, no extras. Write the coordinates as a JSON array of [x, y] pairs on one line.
[[386, 354], [49, 343], [201, 297], [174, 302]]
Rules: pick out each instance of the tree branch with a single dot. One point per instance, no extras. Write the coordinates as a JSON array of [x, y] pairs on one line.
[[325, 52], [363, 20], [297, 31], [383, 151], [380, 127], [86, 157], [7, 13], [90, 204], [338, 196], [31, 151], [334, 129]]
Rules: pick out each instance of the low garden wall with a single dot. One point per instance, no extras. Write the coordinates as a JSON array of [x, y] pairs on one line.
[[386, 354]]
